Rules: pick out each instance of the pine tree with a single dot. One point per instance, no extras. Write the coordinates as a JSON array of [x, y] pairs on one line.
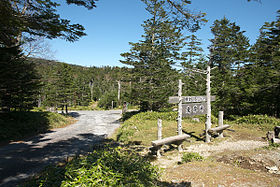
[[229, 51], [64, 85], [194, 83], [265, 70], [19, 81], [151, 58]]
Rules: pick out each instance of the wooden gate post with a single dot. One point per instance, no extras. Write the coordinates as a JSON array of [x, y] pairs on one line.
[[221, 122]]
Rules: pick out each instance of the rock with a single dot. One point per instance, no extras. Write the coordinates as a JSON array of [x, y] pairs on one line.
[[273, 169]]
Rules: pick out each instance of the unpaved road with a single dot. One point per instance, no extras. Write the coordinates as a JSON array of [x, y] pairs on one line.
[[22, 159]]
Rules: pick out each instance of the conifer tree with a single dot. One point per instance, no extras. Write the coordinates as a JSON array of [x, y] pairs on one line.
[[194, 83], [152, 57], [18, 88], [264, 71], [229, 51]]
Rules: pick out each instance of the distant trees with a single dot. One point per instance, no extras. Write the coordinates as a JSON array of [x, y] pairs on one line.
[[20, 21]]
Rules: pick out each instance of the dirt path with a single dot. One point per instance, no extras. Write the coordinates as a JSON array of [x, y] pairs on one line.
[[206, 150], [19, 160], [232, 163]]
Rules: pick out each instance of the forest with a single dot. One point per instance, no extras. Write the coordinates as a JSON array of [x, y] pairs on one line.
[[245, 78]]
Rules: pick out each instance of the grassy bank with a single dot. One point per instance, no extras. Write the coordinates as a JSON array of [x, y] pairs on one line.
[[142, 127], [19, 125]]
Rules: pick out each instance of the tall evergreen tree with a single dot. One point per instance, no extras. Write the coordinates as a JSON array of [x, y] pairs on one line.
[[194, 83], [18, 88], [151, 58], [229, 51], [264, 71]]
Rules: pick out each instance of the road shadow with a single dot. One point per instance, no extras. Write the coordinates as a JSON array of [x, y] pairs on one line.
[[20, 160], [74, 114]]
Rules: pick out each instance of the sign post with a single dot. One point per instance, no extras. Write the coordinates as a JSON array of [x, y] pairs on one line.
[[208, 107], [180, 132]]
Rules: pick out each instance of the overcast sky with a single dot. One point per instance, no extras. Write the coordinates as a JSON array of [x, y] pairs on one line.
[[115, 23]]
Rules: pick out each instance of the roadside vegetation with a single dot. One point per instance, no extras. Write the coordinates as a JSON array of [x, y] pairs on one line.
[[19, 125], [215, 168], [110, 165]]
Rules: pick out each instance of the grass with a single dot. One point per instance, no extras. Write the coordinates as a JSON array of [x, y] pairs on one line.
[[190, 157], [142, 127], [20, 125], [105, 166]]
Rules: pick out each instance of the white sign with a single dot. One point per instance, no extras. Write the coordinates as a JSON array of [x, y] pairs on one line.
[[190, 99], [193, 109]]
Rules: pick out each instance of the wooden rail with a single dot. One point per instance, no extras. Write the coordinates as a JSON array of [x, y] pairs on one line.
[[218, 129], [170, 140]]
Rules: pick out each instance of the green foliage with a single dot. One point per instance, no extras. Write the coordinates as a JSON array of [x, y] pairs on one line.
[[19, 81], [262, 121], [18, 125], [258, 119], [190, 157], [103, 167], [156, 115], [153, 78], [272, 146], [229, 53], [106, 100], [37, 18]]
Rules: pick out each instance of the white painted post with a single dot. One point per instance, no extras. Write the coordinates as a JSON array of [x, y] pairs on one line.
[[159, 134], [180, 111], [119, 91], [159, 129], [221, 122], [208, 108], [179, 123]]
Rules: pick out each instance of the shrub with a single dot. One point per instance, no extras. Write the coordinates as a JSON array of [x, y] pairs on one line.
[[264, 122], [189, 157], [103, 167]]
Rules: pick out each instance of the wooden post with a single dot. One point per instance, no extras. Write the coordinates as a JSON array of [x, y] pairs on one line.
[[221, 122], [119, 91], [208, 108], [159, 129], [179, 123], [112, 104], [159, 134], [180, 111]]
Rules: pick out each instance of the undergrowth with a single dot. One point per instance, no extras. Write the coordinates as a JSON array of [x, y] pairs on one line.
[[109, 166], [263, 122], [19, 125], [190, 157]]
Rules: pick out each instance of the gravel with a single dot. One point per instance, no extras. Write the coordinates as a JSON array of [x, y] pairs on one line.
[[206, 149], [20, 160]]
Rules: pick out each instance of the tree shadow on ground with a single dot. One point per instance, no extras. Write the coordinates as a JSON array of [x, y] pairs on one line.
[[193, 136], [15, 126], [20, 160]]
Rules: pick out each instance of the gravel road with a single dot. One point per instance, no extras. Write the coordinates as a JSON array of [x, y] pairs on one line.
[[22, 159]]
